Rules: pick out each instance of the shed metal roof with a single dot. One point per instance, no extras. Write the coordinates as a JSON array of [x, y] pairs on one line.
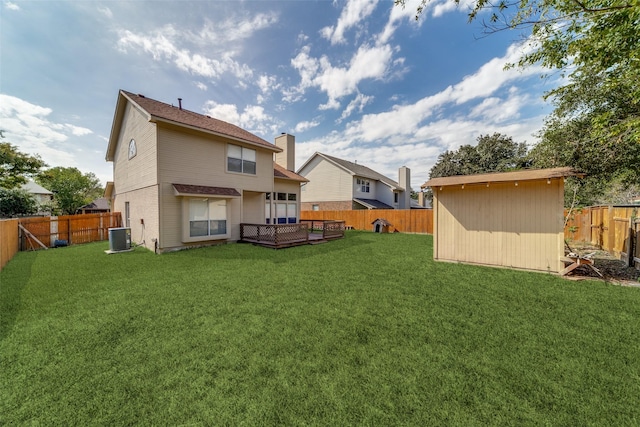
[[520, 175]]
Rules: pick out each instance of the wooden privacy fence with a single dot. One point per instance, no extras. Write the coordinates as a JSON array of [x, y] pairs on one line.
[[68, 229], [615, 229], [402, 220], [8, 240]]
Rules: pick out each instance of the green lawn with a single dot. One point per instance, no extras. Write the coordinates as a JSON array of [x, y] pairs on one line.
[[367, 330]]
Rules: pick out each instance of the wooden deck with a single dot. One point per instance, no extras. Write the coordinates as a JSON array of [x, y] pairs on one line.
[[287, 235]]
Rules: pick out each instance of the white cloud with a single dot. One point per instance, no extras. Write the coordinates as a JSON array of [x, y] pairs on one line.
[[11, 6], [499, 110], [28, 126], [358, 104], [203, 87], [162, 47], [105, 11], [221, 40], [267, 84], [415, 134], [253, 118], [398, 13], [353, 13], [306, 125], [367, 63], [231, 29], [439, 8]]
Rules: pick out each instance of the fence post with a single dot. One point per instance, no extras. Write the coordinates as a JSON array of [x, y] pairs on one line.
[[630, 242]]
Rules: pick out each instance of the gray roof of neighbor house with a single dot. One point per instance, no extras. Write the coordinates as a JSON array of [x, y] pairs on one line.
[[356, 169], [372, 203], [519, 175], [33, 188], [100, 203], [160, 111]]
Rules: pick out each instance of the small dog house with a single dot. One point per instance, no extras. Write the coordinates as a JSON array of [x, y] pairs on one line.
[[381, 225], [509, 219]]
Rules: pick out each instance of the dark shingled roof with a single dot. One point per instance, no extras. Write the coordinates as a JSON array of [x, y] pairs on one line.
[[160, 110], [372, 204], [202, 190], [280, 172], [101, 203]]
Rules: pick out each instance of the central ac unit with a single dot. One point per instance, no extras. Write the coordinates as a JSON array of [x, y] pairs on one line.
[[119, 239]]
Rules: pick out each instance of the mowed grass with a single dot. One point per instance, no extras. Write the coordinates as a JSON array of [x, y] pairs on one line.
[[367, 330]]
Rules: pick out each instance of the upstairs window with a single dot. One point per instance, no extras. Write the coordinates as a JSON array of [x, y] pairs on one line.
[[364, 185], [241, 160]]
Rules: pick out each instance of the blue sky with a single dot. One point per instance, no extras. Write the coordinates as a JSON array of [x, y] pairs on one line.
[[359, 80]]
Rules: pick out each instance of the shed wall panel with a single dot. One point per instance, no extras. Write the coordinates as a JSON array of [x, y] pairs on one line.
[[501, 224]]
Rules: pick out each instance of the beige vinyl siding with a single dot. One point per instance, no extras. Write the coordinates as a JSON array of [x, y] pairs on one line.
[[287, 186], [173, 223], [327, 182], [502, 224], [357, 188], [253, 207], [193, 158], [143, 205], [141, 170]]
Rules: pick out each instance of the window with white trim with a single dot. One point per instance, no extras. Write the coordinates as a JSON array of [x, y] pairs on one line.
[[241, 159], [364, 185], [281, 211], [206, 218]]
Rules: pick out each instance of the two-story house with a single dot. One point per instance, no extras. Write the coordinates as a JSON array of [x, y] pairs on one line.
[[41, 195], [185, 179], [337, 184]]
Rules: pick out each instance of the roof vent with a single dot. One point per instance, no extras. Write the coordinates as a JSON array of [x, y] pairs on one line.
[[180, 103], [141, 95]]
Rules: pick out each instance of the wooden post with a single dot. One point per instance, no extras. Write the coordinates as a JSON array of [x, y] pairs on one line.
[[630, 242]]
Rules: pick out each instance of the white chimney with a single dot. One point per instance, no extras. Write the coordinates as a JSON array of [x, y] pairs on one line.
[[404, 179], [286, 158]]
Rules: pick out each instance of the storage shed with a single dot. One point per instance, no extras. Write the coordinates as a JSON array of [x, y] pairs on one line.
[[511, 219]]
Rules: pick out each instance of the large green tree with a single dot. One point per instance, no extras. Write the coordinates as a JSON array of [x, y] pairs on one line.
[[493, 153], [16, 167], [595, 125], [72, 189], [16, 202]]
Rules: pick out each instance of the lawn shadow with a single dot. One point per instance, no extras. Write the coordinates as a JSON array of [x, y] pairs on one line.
[[13, 279]]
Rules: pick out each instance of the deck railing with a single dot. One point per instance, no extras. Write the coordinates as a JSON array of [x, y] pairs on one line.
[[330, 229], [274, 234], [280, 235]]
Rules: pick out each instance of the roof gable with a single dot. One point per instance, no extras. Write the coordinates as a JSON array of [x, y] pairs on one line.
[[354, 169], [157, 111], [33, 188]]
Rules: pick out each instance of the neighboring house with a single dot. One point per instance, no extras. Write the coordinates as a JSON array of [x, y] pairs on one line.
[[184, 179], [41, 195], [100, 205], [336, 184]]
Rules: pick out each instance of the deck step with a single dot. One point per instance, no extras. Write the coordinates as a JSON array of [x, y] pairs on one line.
[[317, 242]]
